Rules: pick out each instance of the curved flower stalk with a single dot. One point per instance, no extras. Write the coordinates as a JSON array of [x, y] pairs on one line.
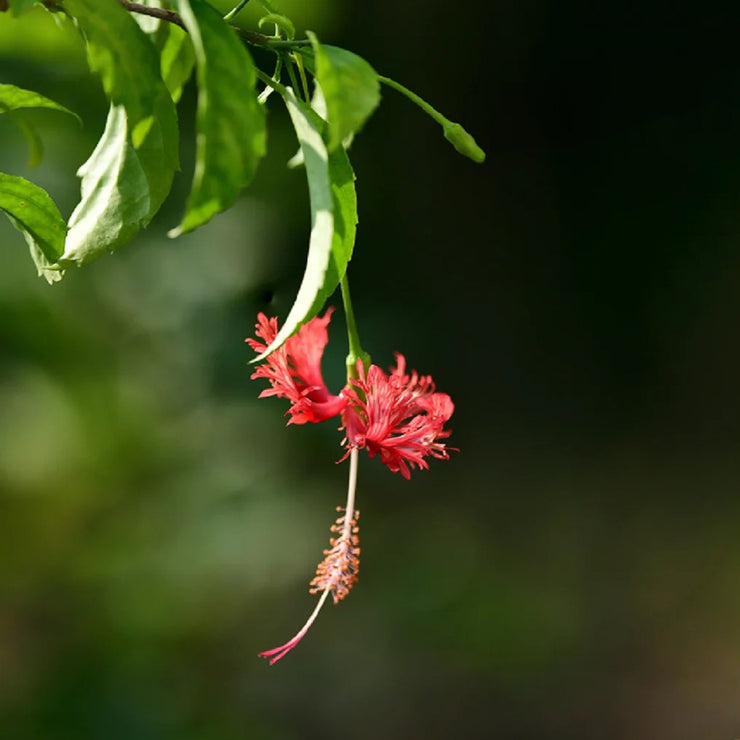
[[397, 416], [337, 572]]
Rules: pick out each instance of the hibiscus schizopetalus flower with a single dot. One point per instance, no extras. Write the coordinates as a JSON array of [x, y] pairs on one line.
[[294, 369], [397, 416]]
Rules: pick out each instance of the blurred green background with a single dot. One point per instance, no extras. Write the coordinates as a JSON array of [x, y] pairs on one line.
[[572, 572]]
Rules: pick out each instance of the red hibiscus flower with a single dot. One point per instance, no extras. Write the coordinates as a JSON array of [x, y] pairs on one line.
[[294, 370], [398, 416]]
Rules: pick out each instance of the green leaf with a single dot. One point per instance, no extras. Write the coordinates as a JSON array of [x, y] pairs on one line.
[[156, 142], [176, 59], [115, 195], [21, 6], [318, 103], [35, 215], [230, 122], [130, 70], [342, 179], [350, 86], [175, 50], [129, 174], [34, 211], [333, 220], [121, 53], [14, 98]]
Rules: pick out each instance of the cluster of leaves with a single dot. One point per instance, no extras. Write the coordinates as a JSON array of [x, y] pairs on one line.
[[144, 54]]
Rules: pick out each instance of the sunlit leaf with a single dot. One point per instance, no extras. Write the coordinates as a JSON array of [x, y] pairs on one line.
[[333, 219], [115, 195], [230, 122], [318, 103], [15, 98], [342, 179], [176, 58], [120, 52], [154, 144], [129, 66], [130, 172], [350, 86], [35, 215]]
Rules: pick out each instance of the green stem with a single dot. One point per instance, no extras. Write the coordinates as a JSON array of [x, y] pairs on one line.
[[287, 43], [269, 89], [349, 507], [355, 348], [414, 98], [236, 9], [291, 73], [302, 72], [274, 84]]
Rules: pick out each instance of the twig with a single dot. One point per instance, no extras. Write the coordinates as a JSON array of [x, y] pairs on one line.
[[256, 39]]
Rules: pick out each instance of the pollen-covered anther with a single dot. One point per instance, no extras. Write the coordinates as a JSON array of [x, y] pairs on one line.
[[339, 569]]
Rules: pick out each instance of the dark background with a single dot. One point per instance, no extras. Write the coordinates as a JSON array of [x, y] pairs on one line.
[[572, 572]]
